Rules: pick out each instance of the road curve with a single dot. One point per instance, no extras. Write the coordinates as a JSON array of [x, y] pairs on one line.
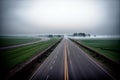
[[69, 62], [19, 45]]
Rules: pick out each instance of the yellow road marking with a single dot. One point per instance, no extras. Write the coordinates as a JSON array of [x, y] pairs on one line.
[[65, 63]]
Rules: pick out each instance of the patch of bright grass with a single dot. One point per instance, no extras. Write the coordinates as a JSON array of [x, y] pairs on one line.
[[8, 41], [109, 48], [12, 57]]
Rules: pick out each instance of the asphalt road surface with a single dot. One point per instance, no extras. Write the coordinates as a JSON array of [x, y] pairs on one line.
[[69, 62]]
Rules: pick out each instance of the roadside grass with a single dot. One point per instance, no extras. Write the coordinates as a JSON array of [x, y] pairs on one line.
[[109, 48], [12, 57], [10, 40]]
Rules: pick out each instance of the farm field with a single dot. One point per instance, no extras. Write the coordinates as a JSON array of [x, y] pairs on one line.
[[108, 48], [13, 40], [11, 57]]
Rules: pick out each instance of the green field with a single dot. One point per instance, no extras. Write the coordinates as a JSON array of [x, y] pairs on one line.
[[10, 40], [109, 48], [11, 57]]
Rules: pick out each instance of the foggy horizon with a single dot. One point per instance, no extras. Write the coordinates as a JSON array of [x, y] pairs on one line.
[[99, 17]]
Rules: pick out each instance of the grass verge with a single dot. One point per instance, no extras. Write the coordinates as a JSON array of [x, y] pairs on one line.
[[108, 48], [9, 41], [11, 57], [111, 68]]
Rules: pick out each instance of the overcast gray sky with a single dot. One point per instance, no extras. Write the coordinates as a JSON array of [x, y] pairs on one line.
[[60, 16]]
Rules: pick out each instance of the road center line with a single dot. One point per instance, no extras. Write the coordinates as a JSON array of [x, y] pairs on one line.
[[65, 63]]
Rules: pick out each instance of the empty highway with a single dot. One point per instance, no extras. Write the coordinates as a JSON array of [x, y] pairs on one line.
[[69, 62]]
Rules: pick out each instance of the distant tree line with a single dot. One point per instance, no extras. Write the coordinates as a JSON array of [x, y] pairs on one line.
[[52, 35], [81, 34]]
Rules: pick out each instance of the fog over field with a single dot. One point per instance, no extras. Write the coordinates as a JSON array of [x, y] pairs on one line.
[[100, 17]]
